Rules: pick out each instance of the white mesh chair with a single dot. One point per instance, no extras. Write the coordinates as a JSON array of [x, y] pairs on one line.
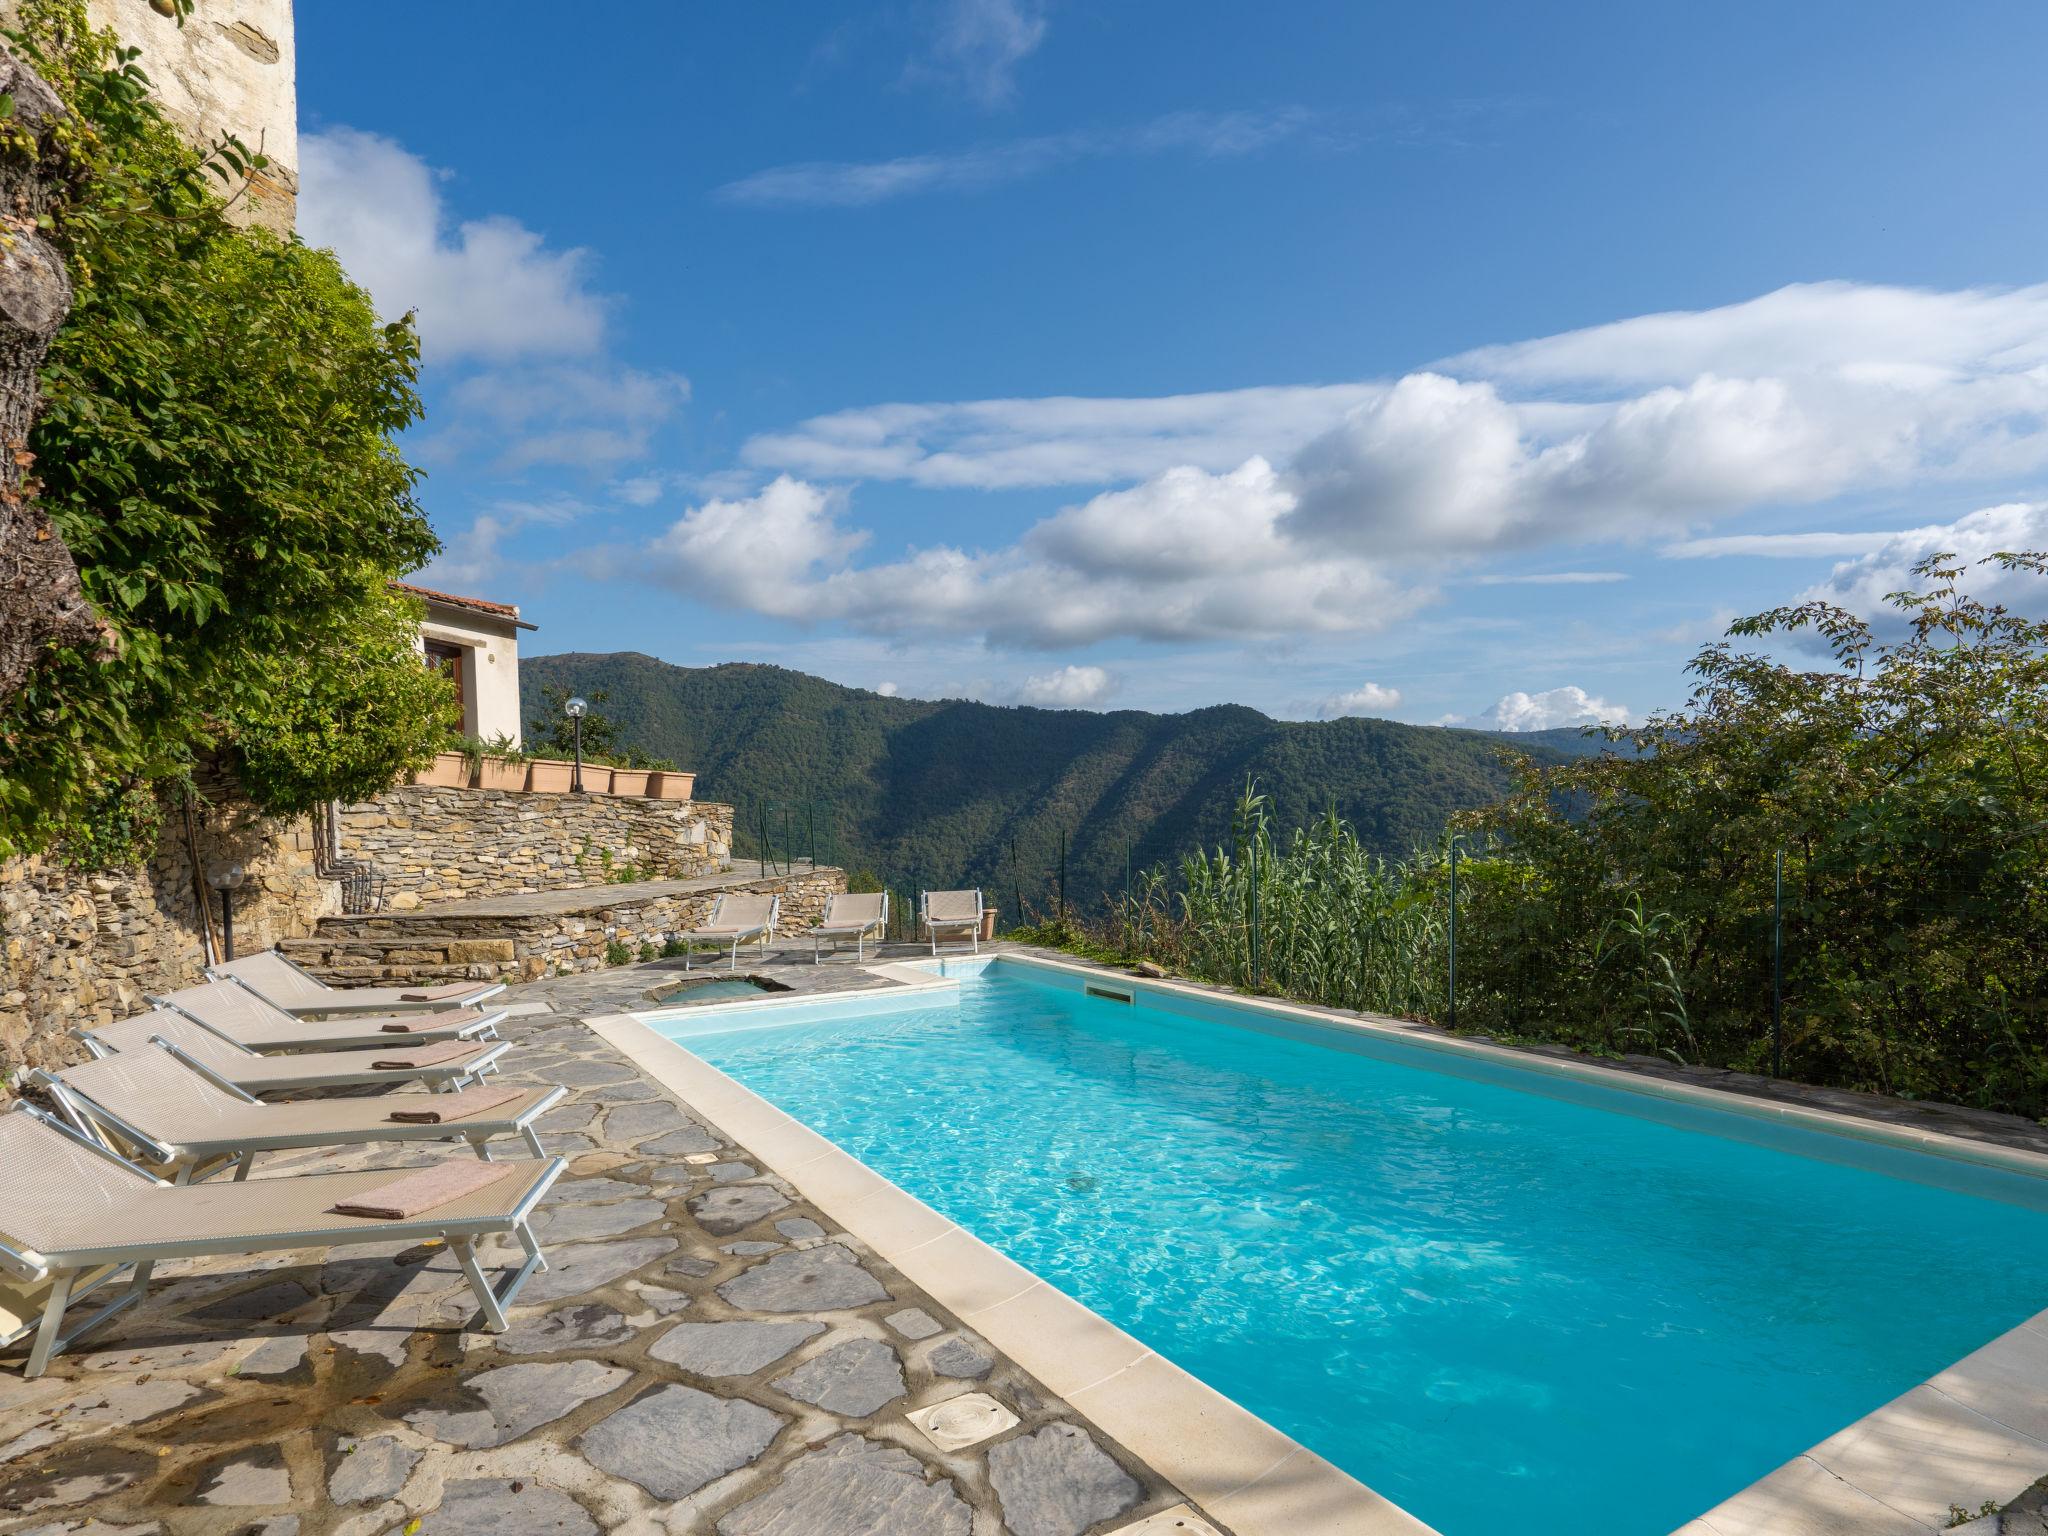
[[855, 917], [284, 985], [952, 912], [228, 1008], [454, 1062], [735, 918], [89, 1216], [174, 1113]]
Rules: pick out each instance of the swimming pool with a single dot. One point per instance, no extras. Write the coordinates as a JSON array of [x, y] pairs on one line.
[[1504, 1300]]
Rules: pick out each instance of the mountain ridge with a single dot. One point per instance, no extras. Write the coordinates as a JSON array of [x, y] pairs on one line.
[[937, 791]]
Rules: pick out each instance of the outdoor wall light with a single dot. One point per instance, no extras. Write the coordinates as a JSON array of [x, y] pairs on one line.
[[575, 710], [225, 878]]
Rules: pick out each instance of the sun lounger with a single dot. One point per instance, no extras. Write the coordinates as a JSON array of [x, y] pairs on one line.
[[734, 919], [954, 912], [284, 985], [448, 1064], [231, 1009], [168, 1113], [89, 1216], [855, 917]]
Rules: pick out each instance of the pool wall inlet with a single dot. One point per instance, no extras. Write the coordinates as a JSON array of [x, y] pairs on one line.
[[1976, 1431]]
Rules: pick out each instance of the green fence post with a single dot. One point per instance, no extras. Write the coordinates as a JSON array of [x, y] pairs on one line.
[[1453, 998], [1063, 874], [1778, 969]]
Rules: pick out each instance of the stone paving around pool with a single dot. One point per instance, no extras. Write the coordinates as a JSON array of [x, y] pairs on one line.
[[704, 1354]]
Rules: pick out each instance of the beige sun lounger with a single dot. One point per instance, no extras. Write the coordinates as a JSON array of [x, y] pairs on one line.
[[735, 918], [171, 1114], [955, 912], [284, 985], [855, 917], [88, 1216], [221, 1059], [231, 1009]]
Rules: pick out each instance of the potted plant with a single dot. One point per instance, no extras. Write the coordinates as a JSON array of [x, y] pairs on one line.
[[449, 769], [499, 764], [597, 778], [668, 784], [549, 776]]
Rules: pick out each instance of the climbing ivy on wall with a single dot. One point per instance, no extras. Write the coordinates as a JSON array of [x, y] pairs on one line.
[[218, 448]]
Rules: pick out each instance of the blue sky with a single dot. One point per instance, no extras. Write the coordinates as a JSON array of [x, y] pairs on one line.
[[1466, 362]]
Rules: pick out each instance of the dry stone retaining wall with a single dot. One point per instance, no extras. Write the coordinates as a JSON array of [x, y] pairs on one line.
[[426, 947], [78, 949], [435, 844]]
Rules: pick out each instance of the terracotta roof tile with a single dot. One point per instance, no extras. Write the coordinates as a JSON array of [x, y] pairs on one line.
[[480, 604]]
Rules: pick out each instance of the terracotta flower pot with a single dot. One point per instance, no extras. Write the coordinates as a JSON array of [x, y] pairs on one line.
[[596, 780], [988, 922], [629, 781], [672, 786], [449, 770], [499, 773], [547, 776]]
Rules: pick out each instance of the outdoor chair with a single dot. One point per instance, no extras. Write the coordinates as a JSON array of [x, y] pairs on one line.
[[89, 1215], [284, 985], [166, 1109], [852, 917], [442, 1067], [954, 912], [735, 918], [231, 1009]]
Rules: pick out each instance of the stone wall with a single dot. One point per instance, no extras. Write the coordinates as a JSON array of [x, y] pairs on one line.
[[79, 949], [382, 948], [432, 844]]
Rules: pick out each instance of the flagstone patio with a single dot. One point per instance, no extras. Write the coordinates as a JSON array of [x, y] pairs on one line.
[[706, 1353]]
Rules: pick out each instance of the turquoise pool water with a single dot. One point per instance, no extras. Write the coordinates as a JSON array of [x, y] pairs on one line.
[[1504, 1308]]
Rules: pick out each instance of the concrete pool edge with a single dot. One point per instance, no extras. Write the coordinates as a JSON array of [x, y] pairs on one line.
[[1240, 1470], [1976, 1431]]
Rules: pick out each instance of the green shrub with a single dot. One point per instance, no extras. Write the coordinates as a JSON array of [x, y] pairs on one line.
[[616, 953]]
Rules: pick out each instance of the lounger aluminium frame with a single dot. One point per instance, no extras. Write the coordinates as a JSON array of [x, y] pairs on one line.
[[240, 1014], [952, 912], [174, 1111], [92, 1216], [256, 1074], [291, 987], [850, 916], [735, 918]]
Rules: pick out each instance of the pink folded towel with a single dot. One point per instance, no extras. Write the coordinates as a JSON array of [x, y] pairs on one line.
[[424, 1189], [440, 1108], [427, 1056], [453, 1018], [436, 994]]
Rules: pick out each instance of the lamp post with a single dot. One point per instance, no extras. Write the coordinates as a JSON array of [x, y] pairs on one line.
[[575, 709], [225, 878]]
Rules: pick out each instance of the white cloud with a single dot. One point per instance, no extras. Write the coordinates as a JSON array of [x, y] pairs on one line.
[[1645, 428], [639, 490], [1366, 699], [977, 45], [1777, 546], [1861, 585], [1546, 711], [886, 690], [1067, 688], [1553, 579], [475, 557], [859, 183], [1188, 556], [594, 418], [485, 288], [1057, 440]]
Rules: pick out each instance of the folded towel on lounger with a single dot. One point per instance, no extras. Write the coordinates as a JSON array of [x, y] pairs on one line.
[[440, 1108], [423, 1190], [453, 1019], [426, 1056]]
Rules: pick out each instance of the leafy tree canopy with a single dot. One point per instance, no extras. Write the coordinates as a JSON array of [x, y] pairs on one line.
[[218, 449]]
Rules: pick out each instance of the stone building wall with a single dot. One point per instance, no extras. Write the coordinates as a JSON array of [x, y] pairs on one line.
[[380, 949], [433, 844], [83, 948]]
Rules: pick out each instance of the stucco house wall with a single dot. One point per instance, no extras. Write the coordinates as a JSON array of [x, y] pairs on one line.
[[487, 633]]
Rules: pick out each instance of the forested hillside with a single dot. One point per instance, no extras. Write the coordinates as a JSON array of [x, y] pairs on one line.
[[937, 792]]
